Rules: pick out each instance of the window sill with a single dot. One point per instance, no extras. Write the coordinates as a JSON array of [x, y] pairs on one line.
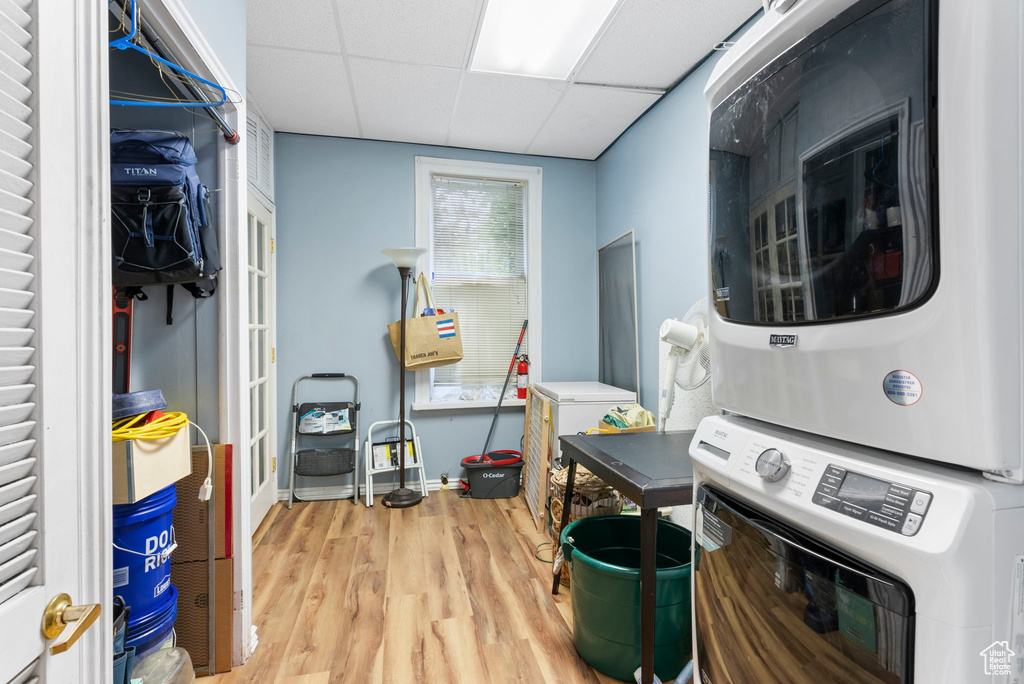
[[457, 405]]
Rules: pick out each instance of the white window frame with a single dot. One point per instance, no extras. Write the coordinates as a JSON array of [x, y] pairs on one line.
[[532, 177]]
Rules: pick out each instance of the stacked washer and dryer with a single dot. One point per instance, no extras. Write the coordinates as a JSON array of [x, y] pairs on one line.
[[859, 506]]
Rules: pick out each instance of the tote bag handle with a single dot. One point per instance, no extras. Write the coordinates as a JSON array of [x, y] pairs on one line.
[[423, 291]]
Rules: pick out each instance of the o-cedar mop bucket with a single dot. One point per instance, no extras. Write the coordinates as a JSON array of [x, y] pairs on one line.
[[494, 476], [143, 542]]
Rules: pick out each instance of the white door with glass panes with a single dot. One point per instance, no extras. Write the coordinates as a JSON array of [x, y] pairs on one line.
[[778, 272], [55, 336], [262, 358]]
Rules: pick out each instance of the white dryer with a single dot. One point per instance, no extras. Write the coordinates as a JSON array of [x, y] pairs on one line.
[[821, 561]]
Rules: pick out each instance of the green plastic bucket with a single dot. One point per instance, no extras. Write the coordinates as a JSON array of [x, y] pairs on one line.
[[603, 553]]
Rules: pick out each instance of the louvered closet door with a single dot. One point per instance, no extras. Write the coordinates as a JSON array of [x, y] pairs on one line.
[[22, 592]]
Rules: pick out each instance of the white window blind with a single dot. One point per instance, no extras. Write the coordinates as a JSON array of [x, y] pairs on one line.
[[478, 256], [19, 525]]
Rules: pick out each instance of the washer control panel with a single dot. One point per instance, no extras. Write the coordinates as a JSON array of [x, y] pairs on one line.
[[885, 504]]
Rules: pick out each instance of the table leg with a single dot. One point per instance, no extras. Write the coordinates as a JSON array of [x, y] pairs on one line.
[[648, 577], [566, 506]]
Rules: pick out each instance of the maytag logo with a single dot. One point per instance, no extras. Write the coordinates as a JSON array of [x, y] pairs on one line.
[[782, 340], [139, 171]]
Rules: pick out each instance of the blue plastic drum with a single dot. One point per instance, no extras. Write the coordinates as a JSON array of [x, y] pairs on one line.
[[143, 540], [154, 631]]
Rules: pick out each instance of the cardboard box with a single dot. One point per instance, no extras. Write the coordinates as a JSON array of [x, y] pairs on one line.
[[191, 516], [611, 428], [144, 466], [193, 624]]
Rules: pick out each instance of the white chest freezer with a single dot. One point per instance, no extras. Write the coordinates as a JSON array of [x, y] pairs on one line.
[[579, 406]]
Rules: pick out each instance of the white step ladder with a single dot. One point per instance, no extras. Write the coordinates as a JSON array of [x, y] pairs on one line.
[[413, 461]]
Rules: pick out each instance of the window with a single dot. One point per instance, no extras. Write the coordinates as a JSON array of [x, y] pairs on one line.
[[481, 225]]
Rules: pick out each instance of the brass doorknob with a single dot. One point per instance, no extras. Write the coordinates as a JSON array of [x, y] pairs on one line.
[[60, 615]]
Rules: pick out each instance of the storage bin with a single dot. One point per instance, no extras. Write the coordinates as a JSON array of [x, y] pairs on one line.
[[603, 554], [143, 541]]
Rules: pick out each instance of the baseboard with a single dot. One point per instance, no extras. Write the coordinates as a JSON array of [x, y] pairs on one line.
[[345, 491]]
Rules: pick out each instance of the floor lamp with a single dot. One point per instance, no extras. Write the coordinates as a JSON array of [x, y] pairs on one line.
[[404, 258]]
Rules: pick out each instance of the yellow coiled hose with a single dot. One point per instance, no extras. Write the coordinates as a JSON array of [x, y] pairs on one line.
[[166, 425]]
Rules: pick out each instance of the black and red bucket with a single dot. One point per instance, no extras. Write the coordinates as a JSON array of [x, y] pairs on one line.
[[493, 476]]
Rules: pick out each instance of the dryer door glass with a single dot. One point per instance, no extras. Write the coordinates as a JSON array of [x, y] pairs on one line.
[[821, 186], [774, 606]]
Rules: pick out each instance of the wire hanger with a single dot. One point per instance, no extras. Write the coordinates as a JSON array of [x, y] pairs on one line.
[[127, 42]]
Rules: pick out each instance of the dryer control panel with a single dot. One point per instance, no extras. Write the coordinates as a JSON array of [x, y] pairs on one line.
[[885, 504]]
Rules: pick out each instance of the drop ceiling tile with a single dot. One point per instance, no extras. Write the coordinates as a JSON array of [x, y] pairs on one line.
[[305, 24], [404, 102], [498, 112], [654, 42], [435, 33], [588, 119], [301, 92]]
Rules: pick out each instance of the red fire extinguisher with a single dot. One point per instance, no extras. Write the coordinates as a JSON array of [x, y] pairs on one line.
[[522, 373]]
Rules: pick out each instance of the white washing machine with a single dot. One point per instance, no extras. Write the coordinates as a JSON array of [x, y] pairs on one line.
[[821, 561]]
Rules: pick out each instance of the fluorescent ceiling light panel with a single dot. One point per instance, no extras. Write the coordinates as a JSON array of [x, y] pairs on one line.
[[541, 38]]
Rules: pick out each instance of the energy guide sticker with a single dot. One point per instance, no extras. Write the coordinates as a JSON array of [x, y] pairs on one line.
[[714, 531]]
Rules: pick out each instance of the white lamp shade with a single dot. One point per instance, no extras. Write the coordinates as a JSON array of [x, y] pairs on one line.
[[404, 257]]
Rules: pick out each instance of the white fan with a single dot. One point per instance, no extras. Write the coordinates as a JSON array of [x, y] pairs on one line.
[[689, 360]]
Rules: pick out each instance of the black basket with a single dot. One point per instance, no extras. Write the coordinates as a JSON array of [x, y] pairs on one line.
[[324, 462], [325, 407]]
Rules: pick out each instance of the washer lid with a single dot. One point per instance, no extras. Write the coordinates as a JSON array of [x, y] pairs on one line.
[[596, 392]]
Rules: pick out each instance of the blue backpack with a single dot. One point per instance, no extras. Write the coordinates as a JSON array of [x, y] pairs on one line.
[[160, 232]]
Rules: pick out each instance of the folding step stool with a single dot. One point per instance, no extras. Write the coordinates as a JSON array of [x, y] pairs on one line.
[[317, 420], [413, 461]]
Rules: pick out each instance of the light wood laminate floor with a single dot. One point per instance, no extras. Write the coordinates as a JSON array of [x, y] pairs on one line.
[[448, 591]]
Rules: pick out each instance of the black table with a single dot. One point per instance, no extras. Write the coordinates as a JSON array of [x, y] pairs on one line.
[[652, 469]]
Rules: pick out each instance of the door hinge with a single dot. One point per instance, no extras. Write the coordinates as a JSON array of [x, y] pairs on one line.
[[271, 245], [273, 464], [273, 354]]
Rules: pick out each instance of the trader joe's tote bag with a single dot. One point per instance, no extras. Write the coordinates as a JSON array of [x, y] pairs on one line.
[[430, 341]]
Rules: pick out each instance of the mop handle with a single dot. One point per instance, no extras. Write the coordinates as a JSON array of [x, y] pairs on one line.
[[501, 397], [515, 355]]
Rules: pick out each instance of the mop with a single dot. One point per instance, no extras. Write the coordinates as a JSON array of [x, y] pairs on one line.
[[511, 456], [501, 397]]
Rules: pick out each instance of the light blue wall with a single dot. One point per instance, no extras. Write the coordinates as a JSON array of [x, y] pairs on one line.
[[223, 24], [654, 180], [339, 201]]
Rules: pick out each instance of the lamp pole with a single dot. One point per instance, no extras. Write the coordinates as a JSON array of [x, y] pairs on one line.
[[406, 274], [403, 497]]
